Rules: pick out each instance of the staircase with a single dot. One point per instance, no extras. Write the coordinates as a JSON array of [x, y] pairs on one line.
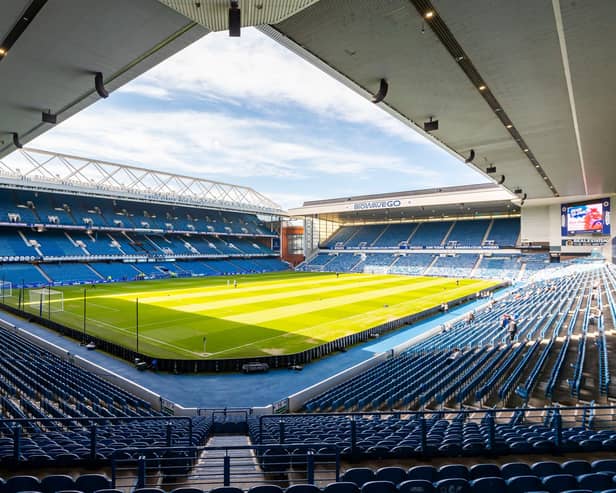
[[209, 468]]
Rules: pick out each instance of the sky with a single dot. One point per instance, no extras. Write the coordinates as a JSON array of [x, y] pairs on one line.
[[248, 111]]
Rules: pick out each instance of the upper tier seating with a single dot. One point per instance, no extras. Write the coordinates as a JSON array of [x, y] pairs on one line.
[[468, 234], [395, 234], [365, 236], [55, 244], [341, 236], [464, 234], [430, 234], [504, 232], [71, 210]]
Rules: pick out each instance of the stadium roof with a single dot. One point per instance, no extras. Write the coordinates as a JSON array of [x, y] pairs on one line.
[[545, 68], [468, 201], [32, 169], [56, 47], [526, 85]]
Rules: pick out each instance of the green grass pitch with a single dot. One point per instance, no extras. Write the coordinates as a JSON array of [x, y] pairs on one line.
[[266, 314]]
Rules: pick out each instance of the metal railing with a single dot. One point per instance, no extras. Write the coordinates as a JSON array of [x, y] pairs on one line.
[[240, 466], [92, 432]]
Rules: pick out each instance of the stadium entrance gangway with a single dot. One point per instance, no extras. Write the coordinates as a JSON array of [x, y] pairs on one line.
[[238, 466]]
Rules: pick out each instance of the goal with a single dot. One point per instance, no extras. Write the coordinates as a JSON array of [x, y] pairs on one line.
[[6, 289], [49, 300]]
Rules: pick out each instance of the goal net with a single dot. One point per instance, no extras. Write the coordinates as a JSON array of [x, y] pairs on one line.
[[47, 300], [6, 289]]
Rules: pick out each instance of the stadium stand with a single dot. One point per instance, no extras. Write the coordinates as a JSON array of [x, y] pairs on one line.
[[116, 231], [501, 233], [493, 364]]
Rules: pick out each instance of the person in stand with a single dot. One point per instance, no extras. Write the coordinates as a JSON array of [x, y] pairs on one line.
[[235, 283], [513, 329], [337, 275], [456, 353]]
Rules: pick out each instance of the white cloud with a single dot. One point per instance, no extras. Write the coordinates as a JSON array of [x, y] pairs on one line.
[[256, 69], [211, 144]]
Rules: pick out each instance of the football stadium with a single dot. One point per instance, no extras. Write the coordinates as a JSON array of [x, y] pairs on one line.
[[164, 331]]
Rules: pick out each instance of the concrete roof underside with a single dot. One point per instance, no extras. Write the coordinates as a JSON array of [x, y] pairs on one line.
[[51, 66], [547, 68]]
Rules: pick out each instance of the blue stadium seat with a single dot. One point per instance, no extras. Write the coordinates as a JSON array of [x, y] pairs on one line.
[[513, 469], [341, 487], [576, 467], [524, 484], [265, 488], [484, 471], [559, 482], [303, 488], [57, 482], [595, 481], [221, 489], [395, 475], [453, 484], [18, 484], [604, 465], [416, 486], [453, 471], [359, 476], [488, 484], [379, 487], [428, 473], [546, 468], [89, 483]]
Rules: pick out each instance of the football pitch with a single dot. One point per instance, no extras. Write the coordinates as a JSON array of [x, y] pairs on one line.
[[265, 315]]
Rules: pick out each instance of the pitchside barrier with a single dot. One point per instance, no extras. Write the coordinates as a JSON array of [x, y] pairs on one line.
[[235, 364]]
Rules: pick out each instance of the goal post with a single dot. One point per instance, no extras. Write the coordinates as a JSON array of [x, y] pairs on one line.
[[50, 300], [6, 289]]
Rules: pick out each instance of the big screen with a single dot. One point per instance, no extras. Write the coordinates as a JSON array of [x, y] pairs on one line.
[[591, 217]]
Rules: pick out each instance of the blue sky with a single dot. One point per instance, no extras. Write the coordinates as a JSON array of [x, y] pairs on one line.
[[247, 111]]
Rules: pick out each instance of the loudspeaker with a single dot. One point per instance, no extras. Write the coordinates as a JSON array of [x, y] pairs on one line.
[[235, 20]]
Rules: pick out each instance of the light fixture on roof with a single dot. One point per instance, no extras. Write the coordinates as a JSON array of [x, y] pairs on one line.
[[382, 92], [491, 169], [431, 125], [523, 199], [501, 180], [525, 149], [470, 157], [49, 117], [235, 19], [429, 14], [16, 141], [100, 86], [3, 51], [509, 125], [517, 191], [482, 87]]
